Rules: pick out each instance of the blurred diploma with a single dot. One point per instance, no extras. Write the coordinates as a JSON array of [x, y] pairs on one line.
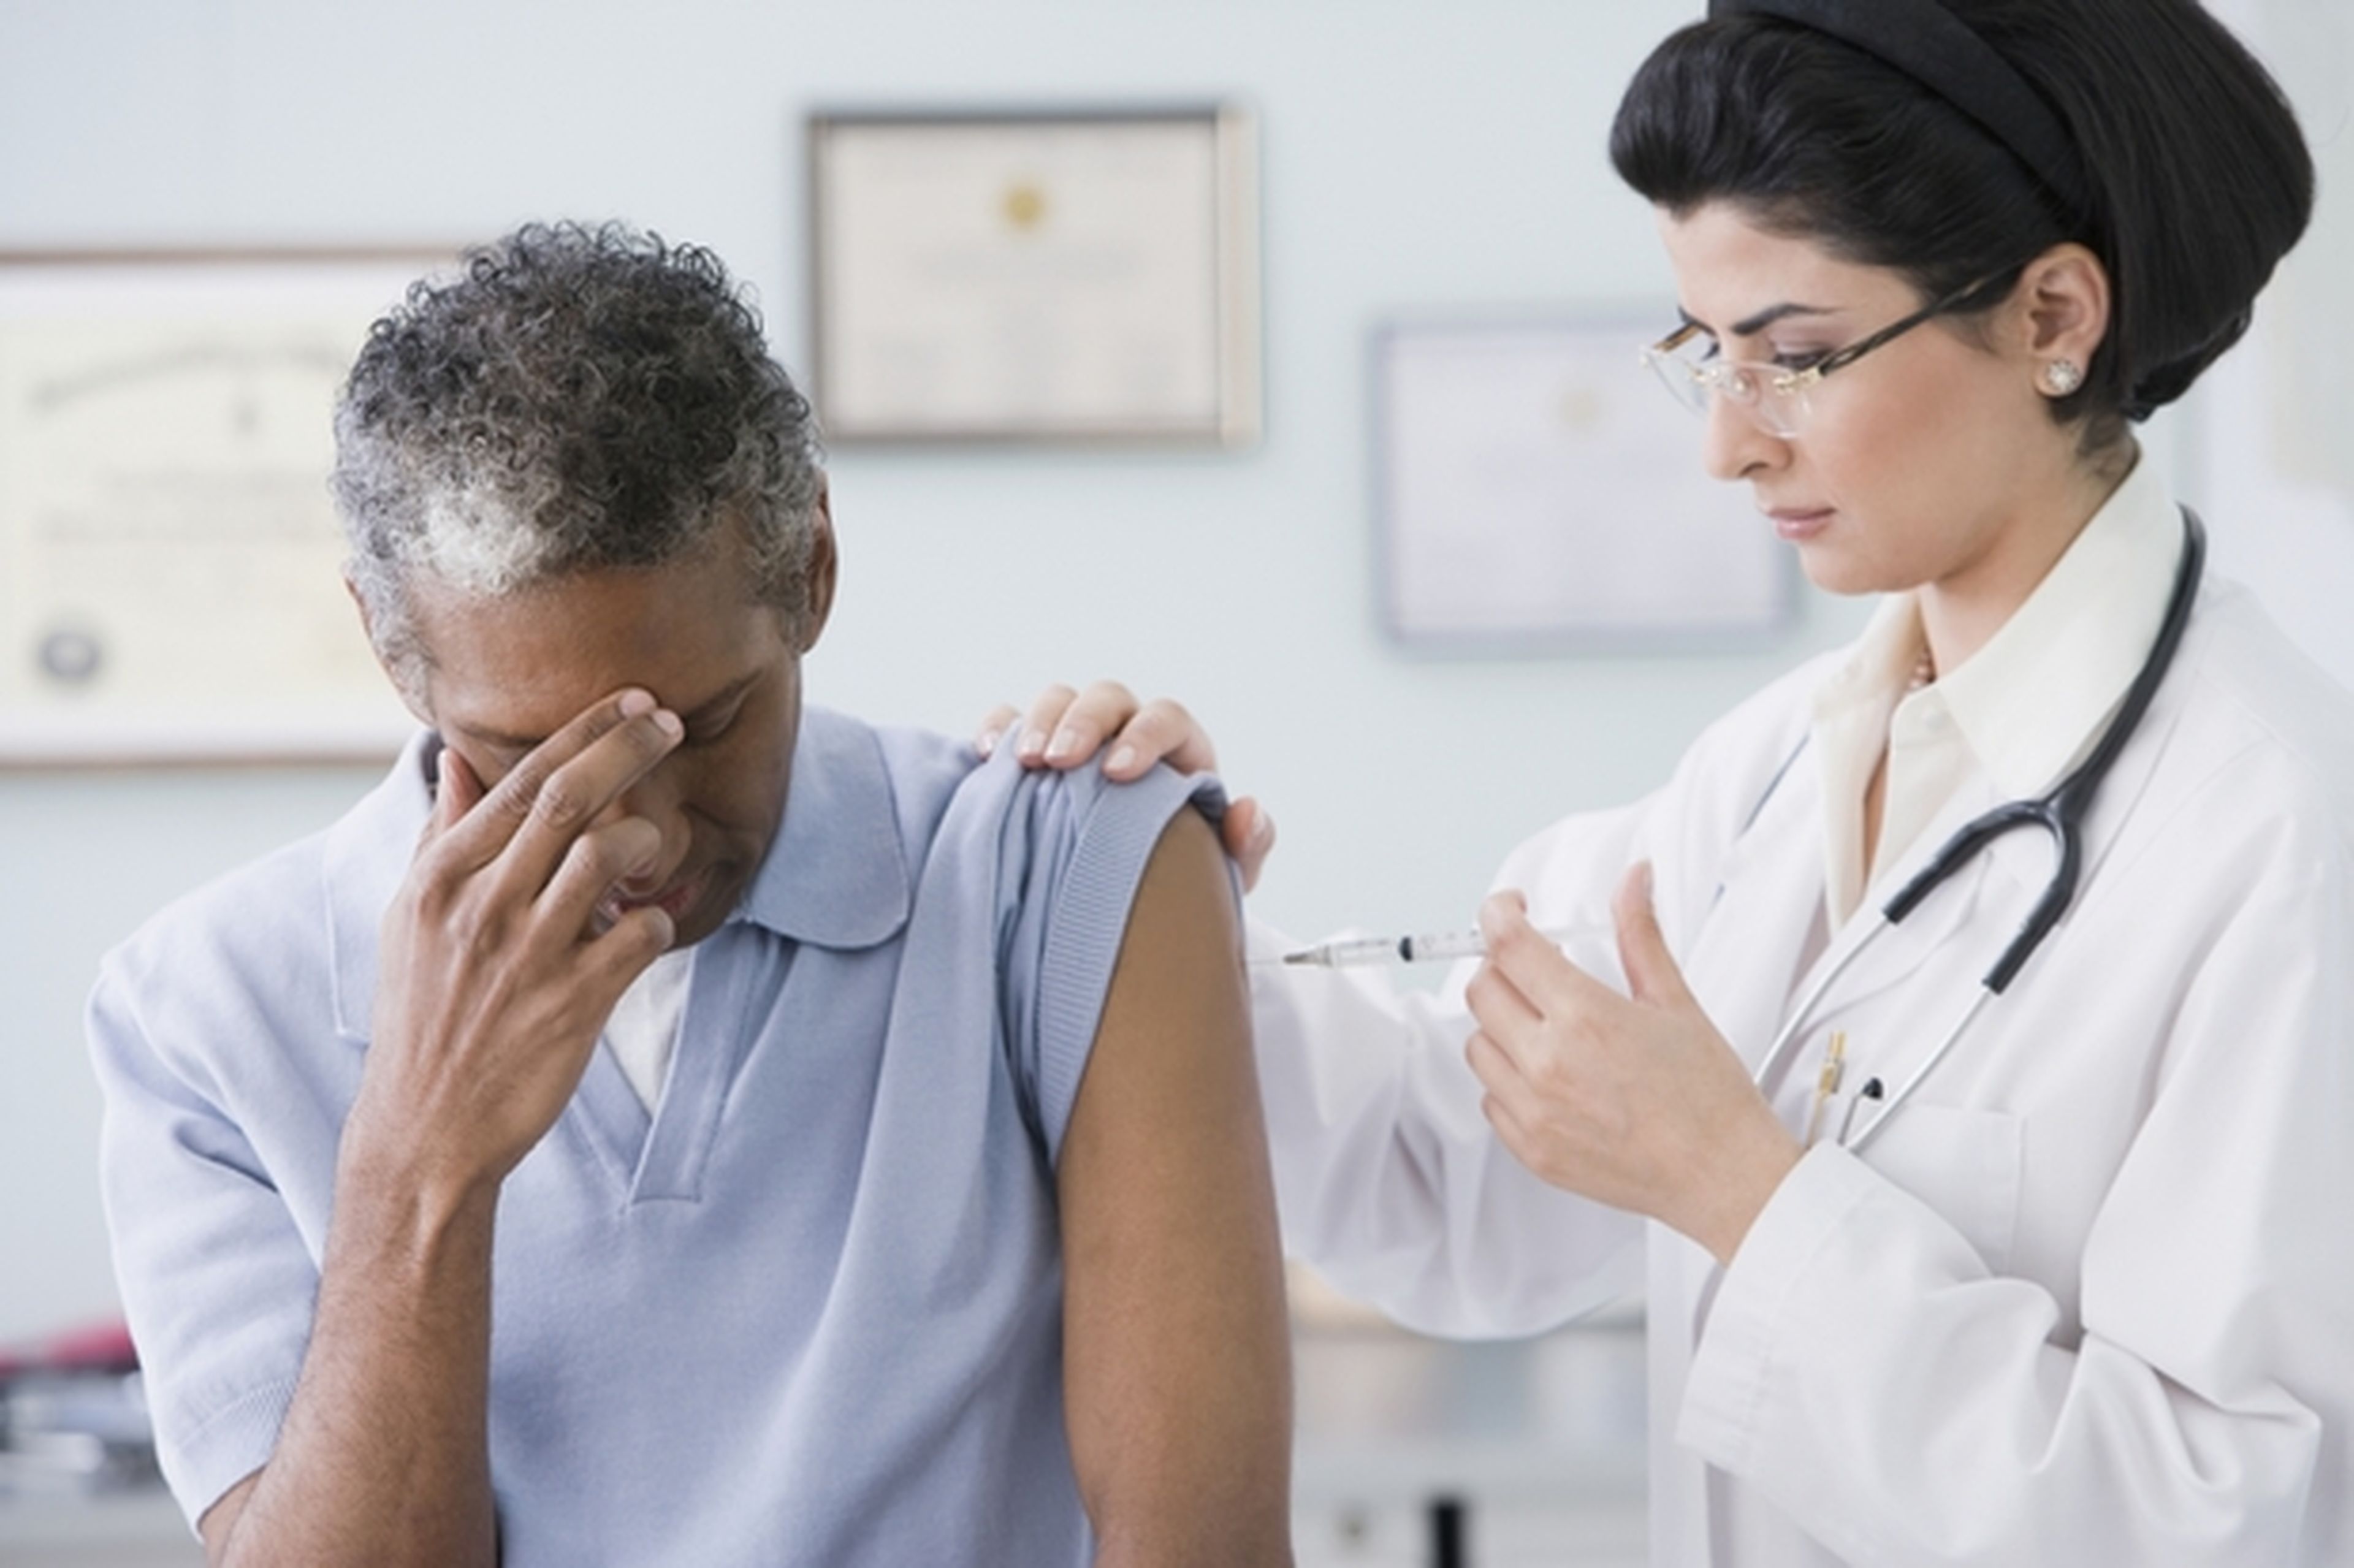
[[170, 582], [1036, 276], [1539, 490]]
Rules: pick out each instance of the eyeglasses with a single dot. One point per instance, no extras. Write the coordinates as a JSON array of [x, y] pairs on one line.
[[1775, 396]]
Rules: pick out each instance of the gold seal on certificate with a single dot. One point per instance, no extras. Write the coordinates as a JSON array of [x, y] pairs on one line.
[[1039, 277]]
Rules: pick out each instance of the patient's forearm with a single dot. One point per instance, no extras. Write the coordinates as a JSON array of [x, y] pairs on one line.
[[383, 1459]]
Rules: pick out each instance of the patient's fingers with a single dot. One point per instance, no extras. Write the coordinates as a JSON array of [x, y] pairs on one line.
[[531, 816]]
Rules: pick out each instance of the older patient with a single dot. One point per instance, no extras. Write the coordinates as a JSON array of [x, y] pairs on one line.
[[660, 1124]]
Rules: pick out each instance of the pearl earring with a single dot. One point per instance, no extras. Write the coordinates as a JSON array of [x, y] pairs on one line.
[[2062, 378]]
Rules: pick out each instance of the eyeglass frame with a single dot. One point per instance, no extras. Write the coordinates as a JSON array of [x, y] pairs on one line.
[[1786, 384]]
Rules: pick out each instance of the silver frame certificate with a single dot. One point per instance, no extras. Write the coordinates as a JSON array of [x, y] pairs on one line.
[[170, 581], [1063, 277]]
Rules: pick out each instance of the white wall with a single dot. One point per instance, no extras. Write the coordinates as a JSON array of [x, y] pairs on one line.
[[2270, 459], [1416, 156]]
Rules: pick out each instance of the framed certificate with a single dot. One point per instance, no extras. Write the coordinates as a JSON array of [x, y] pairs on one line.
[[1066, 277], [170, 582], [1535, 489]]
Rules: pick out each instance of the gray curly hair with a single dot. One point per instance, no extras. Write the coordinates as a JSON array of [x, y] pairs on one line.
[[578, 399]]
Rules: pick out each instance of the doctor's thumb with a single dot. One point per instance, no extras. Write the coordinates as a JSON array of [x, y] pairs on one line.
[[1652, 974]]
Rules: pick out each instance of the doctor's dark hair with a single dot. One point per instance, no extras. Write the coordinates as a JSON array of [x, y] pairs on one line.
[[575, 398], [2199, 179]]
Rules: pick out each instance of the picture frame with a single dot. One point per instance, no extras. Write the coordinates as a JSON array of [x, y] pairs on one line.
[[170, 582], [1062, 276], [1535, 492]]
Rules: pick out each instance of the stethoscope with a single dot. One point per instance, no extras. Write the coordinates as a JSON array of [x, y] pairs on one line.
[[2059, 812]]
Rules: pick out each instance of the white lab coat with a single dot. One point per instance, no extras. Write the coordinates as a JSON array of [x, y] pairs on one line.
[[2086, 1299]]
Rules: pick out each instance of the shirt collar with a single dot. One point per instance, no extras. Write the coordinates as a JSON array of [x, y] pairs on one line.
[[1850, 731], [837, 875], [2034, 698], [366, 853], [1878, 669]]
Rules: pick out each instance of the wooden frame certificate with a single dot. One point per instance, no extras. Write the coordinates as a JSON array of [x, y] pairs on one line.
[[1072, 277], [170, 584], [1536, 489]]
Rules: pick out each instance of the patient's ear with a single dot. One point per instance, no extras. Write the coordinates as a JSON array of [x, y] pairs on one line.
[[823, 568], [412, 692]]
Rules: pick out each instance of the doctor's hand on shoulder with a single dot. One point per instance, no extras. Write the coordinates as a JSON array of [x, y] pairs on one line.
[[1635, 1101], [1064, 728]]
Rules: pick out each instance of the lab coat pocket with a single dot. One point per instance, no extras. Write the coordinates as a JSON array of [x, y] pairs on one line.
[[1964, 1164]]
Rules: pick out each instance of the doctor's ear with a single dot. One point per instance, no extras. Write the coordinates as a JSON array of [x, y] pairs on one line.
[[2063, 302]]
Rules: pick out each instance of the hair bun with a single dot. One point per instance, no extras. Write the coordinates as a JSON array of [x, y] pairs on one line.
[[2164, 383]]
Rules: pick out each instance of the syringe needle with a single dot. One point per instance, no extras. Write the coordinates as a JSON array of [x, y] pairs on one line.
[[1358, 952]]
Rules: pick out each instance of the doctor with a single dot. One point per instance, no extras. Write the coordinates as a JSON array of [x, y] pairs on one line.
[[2085, 1293]]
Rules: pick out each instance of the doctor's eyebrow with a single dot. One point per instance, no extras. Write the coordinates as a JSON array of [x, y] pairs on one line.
[[1750, 325]]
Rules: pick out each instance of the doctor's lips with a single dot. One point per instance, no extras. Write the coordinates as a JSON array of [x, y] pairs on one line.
[[1796, 523]]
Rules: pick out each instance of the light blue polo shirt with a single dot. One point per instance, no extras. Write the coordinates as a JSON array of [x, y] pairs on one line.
[[806, 1312]]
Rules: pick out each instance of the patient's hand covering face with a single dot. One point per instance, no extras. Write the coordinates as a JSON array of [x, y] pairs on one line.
[[506, 672]]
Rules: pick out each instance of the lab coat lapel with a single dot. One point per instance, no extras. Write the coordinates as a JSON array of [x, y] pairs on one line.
[[1768, 899], [1764, 912]]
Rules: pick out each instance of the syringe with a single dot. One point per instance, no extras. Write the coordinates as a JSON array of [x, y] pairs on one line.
[[1355, 953]]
